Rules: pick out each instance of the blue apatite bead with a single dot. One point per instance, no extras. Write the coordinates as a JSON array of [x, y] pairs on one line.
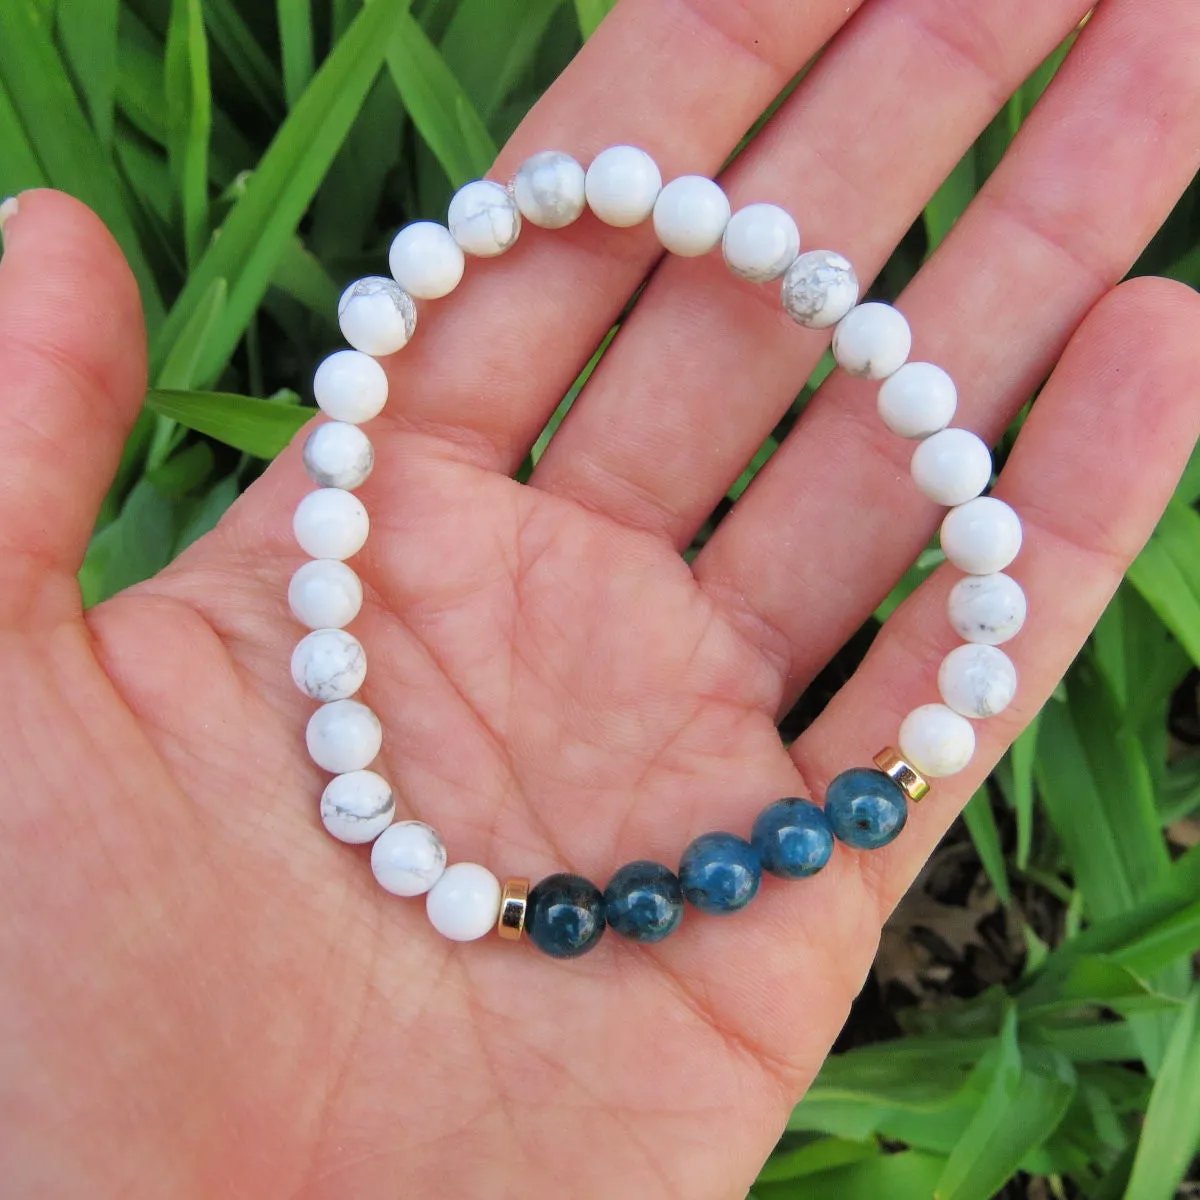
[[644, 901], [793, 838], [720, 872], [564, 915], [866, 809]]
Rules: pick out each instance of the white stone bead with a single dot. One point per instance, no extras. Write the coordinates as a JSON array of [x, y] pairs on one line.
[[377, 316], [982, 536], [977, 681], [409, 858], [550, 189], [350, 386], [343, 736], [484, 218], [936, 740], [761, 241], [989, 609], [325, 594], [331, 523], [357, 807], [426, 261], [952, 467], [622, 185], [819, 289], [464, 904], [918, 400], [329, 664], [338, 455], [690, 215], [872, 341]]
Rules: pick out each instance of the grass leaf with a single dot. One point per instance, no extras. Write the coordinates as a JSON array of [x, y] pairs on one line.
[[189, 119], [295, 46], [590, 13], [88, 35], [259, 427]]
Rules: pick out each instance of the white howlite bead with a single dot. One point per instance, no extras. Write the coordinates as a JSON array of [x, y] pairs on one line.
[[989, 609], [357, 807], [483, 218], [690, 215], [338, 455], [936, 740], [329, 664], [977, 681], [409, 858], [350, 386], [918, 400], [343, 736], [952, 467], [331, 523], [761, 241], [550, 189], [819, 289], [426, 261], [982, 536], [377, 316], [872, 341], [325, 594], [464, 904], [622, 185]]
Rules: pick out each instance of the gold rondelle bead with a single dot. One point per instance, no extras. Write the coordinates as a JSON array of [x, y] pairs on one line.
[[513, 901], [907, 776]]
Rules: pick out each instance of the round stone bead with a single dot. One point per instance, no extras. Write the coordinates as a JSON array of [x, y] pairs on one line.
[[483, 218], [325, 594], [936, 740], [690, 215], [819, 289], [872, 341], [866, 809], [644, 901], [952, 467], [564, 915], [408, 858], [426, 261], [982, 536], [622, 185], [761, 241], [350, 386], [377, 316], [338, 455], [550, 190], [793, 838], [357, 807], [977, 681], [720, 872], [331, 523], [989, 609], [464, 904], [918, 400], [343, 736], [329, 664]]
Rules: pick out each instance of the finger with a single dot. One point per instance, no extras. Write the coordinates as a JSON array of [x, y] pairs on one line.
[[72, 356], [855, 167], [1093, 174]]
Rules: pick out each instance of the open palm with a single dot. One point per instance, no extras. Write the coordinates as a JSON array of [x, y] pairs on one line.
[[206, 996]]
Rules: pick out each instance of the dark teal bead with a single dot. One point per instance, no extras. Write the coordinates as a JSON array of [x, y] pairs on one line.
[[720, 872], [564, 915], [866, 809], [793, 838], [643, 901]]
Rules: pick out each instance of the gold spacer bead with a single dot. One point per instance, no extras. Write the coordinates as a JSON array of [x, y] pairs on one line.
[[905, 774], [513, 901]]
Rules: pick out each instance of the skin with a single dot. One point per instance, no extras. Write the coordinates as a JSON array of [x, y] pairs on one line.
[[204, 995]]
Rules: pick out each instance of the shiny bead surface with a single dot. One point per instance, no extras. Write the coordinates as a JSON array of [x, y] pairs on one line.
[[690, 215], [325, 594], [644, 901], [408, 858], [357, 807], [865, 808], [937, 740], [872, 341], [514, 902], [793, 838], [377, 316], [483, 218], [550, 189], [918, 400], [720, 873], [761, 241], [464, 904], [897, 768], [622, 185], [426, 261], [952, 466], [343, 736], [329, 664], [819, 289], [564, 916], [977, 681], [350, 386], [331, 523], [989, 609], [982, 536], [338, 455]]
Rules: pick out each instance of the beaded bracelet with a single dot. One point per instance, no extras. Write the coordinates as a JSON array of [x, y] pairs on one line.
[[719, 872]]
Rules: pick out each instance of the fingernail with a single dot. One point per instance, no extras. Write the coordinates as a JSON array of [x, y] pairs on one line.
[[8, 210]]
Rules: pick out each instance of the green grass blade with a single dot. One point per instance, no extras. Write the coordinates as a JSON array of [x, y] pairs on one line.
[[824, 1154], [88, 35], [19, 164], [909, 1173], [1167, 574], [950, 201], [590, 13], [189, 119], [259, 427], [138, 544], [295, 46], [245, 56], [981, 824]]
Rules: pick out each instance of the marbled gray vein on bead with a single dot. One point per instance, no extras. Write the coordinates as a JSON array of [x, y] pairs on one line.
[[549, 189], [325, 679], [344, 474], [812, 285], [376, 285], [331, 809], [497, 212]]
